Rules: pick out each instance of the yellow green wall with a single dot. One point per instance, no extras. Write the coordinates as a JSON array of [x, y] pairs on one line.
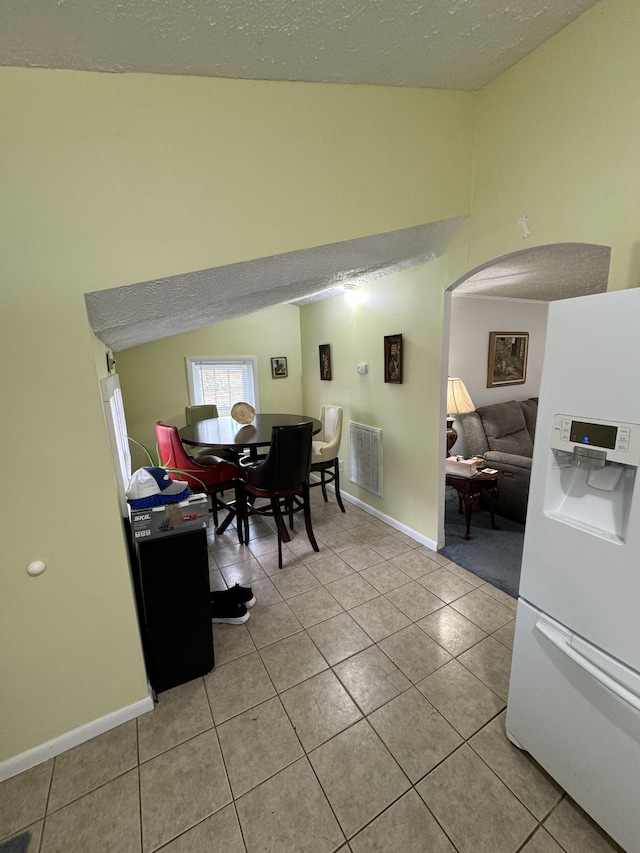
[[409, 303], [557, 141], [153, 377], [111, 179]]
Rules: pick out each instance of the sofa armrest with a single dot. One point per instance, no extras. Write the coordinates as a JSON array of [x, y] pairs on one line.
[[508, 461]]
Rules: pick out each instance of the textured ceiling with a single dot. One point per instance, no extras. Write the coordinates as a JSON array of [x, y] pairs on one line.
[[449, 44], [543, 273], [442, 44], [123, 317]]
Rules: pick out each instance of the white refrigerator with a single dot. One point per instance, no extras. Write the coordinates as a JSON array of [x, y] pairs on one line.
[[574, 696]]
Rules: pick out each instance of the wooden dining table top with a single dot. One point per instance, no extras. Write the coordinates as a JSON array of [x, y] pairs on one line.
[[225, 432]]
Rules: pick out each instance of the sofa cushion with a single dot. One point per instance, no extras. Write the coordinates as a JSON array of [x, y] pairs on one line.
[[530, 410], [506, 428]]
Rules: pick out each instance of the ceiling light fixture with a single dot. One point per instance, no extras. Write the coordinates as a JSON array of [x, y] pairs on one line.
[[352, 294]]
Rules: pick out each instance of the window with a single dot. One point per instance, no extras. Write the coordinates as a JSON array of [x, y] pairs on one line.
[[223, 381]]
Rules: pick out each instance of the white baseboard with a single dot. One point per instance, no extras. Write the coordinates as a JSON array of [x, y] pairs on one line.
[[392, 522], [45, 751]]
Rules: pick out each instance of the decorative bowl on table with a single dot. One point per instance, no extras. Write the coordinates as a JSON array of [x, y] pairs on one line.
[[243, 413]]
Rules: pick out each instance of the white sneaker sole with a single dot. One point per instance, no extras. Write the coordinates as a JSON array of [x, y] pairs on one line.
[[231, 620]]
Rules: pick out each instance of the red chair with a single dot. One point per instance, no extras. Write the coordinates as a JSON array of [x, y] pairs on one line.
[[208, 474]]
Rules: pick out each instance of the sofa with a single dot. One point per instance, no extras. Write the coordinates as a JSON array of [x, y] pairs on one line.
[[503, 433]]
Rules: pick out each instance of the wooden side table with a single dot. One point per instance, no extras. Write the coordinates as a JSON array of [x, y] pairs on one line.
[[469, 489]]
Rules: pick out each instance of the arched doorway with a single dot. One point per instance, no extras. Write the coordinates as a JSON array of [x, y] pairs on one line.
[[510, 293]]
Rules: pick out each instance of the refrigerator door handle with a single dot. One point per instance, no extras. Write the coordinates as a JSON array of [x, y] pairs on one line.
[[562, 641]]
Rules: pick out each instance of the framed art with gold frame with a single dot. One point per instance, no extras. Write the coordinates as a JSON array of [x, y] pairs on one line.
[[507, 358]]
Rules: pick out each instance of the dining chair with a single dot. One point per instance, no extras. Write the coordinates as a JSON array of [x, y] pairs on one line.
[[203, 412], [281, 478], [325, 449], [209, 474], [193, 414]]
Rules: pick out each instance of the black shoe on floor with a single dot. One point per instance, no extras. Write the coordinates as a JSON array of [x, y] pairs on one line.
[[225, 609], [243, 594]]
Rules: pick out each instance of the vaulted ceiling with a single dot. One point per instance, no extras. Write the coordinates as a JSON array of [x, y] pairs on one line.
[[448, 44]]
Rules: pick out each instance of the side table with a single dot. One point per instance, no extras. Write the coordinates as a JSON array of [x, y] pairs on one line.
[[469, 488]]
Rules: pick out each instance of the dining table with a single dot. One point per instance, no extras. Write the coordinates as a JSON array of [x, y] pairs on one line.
[[228, 433]]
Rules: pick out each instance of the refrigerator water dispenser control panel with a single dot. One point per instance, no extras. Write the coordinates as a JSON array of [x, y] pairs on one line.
[[619, 441]]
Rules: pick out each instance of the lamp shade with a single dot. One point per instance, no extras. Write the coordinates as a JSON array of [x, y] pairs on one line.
[[458, 399]]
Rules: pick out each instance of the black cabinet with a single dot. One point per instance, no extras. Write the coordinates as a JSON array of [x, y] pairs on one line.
[[174, 608]]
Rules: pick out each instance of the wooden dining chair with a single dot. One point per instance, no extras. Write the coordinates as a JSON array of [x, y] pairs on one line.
[[282, 479], [209, 474], [325, 449]]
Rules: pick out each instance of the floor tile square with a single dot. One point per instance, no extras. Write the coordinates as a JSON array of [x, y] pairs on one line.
[[23, 798], [389, 546], [416, 562], [294, 581], [506, 634], [329, 567], [414, 600], [339, 637], [314, 606], [414, 652], [475, 809], [483, 610], [265, 593], [379, 618], [319, 708], [361, 557], [352, 590], [231, 642], [289, 813], [452, 630], [105, 819], [272, 623], [244, 573], [385, 576], [179, 788], [574, 830], [220, 832], [89, 765], [237, 686], [180, 713], [490, 661], [257, 744], [415, 734], [371, 678], [445, 584], [461, 698], [406, 826], [358, 775], [519, 772], [292, 660]]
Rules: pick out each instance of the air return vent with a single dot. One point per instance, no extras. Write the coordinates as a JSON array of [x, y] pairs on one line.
[[365, 457]]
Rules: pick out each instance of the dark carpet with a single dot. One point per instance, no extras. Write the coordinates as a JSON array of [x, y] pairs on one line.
[[493, 555]]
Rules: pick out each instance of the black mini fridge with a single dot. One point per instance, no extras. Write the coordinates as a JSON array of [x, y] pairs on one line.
[[174, 607]]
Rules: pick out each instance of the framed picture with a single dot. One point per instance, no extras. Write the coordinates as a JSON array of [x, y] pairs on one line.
[[325, 361], [393, 359], [279, 367], [507, 358]]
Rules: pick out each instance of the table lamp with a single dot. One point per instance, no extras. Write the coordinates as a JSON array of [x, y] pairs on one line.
[[458, 401]]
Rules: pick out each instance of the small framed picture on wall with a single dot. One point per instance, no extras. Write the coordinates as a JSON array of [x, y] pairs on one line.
[[393, 359], [279, 367], [325, 361], [507, 358]]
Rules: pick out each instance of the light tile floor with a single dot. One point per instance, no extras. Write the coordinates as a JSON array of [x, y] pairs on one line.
[[361, 708]]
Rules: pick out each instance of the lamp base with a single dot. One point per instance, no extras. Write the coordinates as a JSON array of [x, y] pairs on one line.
[[452, 435]]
